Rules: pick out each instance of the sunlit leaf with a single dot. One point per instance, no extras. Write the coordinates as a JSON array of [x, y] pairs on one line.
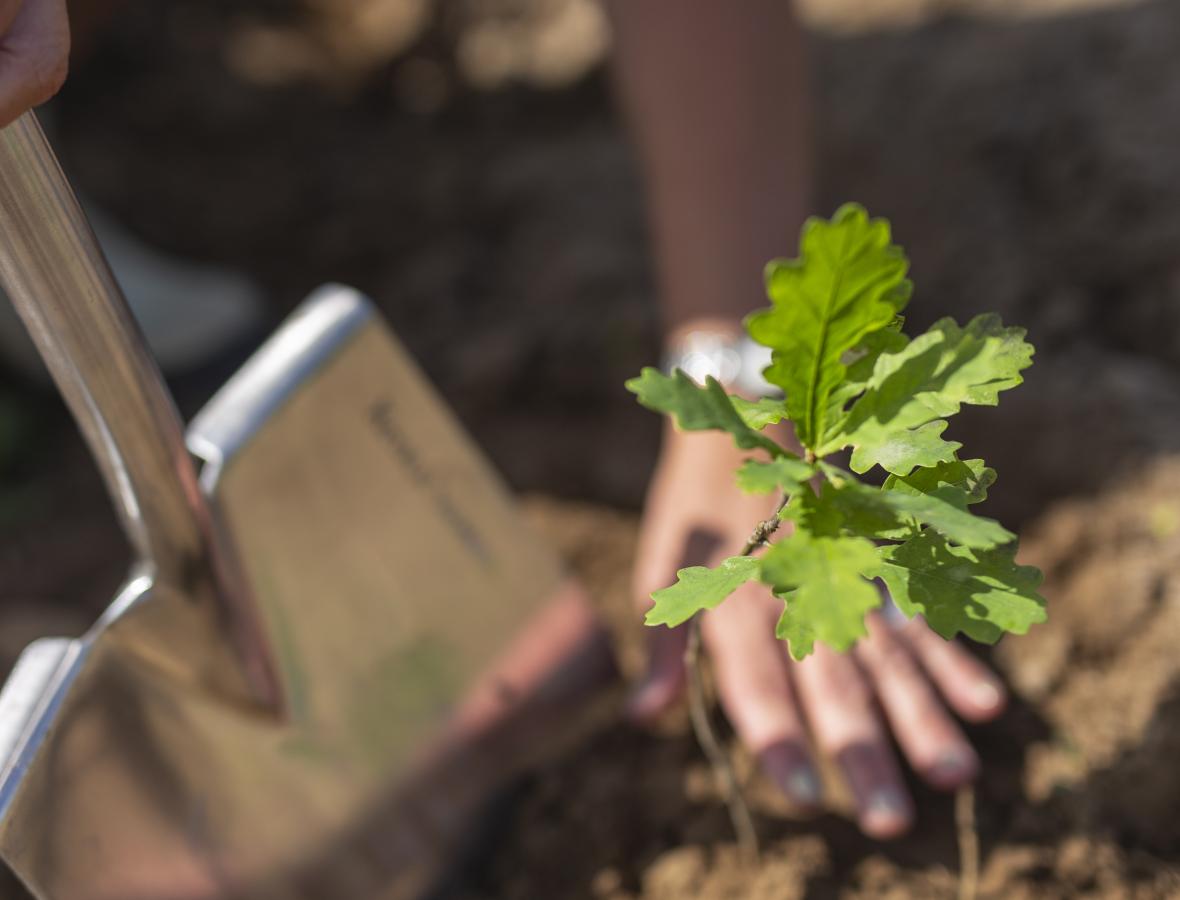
[[699, 588], [698, 408], [898, 422], [828, 593], [980, 593], [785, 473], [848, 281]]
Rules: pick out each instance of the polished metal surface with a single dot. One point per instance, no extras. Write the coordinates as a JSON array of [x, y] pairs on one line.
[[60, 284], [419, 643]]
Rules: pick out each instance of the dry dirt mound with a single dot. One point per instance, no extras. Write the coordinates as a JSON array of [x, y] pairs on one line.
[[1081, 785]]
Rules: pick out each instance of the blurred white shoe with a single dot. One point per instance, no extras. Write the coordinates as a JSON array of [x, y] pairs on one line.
[[189, 312]]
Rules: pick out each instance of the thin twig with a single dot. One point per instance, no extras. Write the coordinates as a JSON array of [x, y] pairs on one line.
[[739, 810], [765, 529], [968, 842], [702, 726]]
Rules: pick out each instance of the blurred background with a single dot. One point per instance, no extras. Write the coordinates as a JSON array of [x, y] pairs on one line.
[[462, 162]]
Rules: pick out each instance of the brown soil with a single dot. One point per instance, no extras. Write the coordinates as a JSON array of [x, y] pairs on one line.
[[1080, 788]]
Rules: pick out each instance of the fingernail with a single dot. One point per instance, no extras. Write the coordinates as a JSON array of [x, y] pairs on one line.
[[803, 787], [986, 695], [953, 767], [647, 700], [887, 813], [637, 706]]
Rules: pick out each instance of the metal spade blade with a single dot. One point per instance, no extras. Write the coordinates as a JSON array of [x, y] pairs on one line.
[[338, 633]]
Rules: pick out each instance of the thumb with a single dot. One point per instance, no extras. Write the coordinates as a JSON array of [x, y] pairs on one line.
[[663, 682]]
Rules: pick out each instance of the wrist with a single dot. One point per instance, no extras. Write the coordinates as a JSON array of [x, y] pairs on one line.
[[722, 325]]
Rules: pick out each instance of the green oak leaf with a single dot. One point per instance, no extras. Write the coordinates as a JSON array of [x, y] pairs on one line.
[[814, 515], [849, 281], [698, 588], [829, 594], [698, 408], [794, 628], [953, 523], [759, 413], [898, 421], [858, 509], [960, 482], [861, 360], [902, 451], [875, 512], [785, 473], [981, 593]]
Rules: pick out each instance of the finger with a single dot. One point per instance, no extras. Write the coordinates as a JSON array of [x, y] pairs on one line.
[[18, 91], [972, 690], [755, 690], [8, 13], [34, 56], [845, 725], [929, 738], [663, 681]]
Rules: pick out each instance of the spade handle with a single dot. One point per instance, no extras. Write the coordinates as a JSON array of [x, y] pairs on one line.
[[60, 283]]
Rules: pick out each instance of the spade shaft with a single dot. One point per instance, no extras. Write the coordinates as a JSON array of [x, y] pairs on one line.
[[63, 289]]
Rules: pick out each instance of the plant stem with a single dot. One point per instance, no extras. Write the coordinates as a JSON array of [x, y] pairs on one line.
[[722, 765], [968, 842], [765, 529], [702, 726]]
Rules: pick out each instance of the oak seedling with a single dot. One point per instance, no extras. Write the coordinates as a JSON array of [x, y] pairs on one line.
[[852, 380]]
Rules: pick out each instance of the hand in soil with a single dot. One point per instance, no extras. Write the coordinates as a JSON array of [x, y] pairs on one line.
[[34, 54], [694, 516]]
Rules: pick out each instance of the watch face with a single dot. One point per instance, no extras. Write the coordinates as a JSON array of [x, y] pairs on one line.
[[701, 355], [736, 362], [755, 359]]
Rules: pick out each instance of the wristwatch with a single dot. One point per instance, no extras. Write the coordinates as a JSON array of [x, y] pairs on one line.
[[735, 361]]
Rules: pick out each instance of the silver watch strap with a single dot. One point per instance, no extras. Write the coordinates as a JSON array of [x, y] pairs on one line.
[[735, 361]]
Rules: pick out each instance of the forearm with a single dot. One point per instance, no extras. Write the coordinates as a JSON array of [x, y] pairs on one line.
[[717, 97]]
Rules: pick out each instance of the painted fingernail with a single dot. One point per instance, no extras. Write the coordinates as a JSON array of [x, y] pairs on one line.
[[953, 767], [644, 702], [986, 695], [886, 813], [803, 787]]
